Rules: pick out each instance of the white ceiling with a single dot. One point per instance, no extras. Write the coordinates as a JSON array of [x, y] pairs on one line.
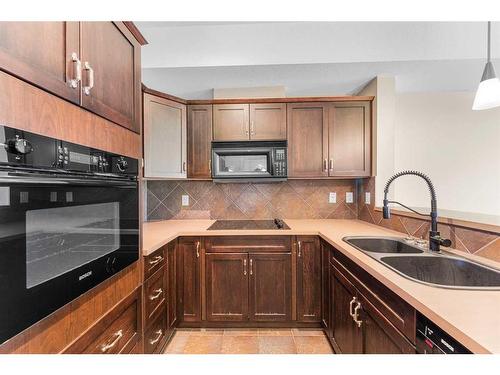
[[188, 59]]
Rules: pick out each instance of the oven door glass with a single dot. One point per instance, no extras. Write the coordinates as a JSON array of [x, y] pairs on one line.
[[58, 240], [248, 164]]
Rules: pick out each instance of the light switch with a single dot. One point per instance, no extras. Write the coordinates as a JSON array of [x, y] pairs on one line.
[[349, 197], [332, 197], [185, 200], [367, 197]]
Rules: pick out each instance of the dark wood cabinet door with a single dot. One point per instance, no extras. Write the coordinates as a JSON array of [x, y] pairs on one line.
[[325, 285], [347, 335], [350, 139], [308, 279], [171, 256], [111, 54], [231, 122], [379, 335], [227, 286], [199, 141], [267, 121], [270, 287], [190, 250], [41, 53], [307, 139]]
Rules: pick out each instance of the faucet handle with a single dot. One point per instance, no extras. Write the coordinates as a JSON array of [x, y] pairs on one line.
[[442, 241]]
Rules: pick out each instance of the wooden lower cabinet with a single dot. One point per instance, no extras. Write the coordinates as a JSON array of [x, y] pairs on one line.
[[117, 332], [190, 278], [227, 286], [157, 333], [308, 279], [270, 287], [325, 285]]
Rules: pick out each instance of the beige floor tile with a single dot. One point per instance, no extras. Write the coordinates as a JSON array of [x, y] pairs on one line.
[[240, 345], [312, 345], [241, 332], [177, 344], [203, 345], [307, 332], [275, 332], [276, 345]]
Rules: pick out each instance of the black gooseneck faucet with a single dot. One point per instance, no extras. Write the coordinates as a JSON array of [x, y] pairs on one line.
[[435, 239]]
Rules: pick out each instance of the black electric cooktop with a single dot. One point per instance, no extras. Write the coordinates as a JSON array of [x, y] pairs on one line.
[[249, 224]]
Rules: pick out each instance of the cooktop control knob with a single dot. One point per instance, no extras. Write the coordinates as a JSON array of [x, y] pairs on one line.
[[122, 164], [18, 146]]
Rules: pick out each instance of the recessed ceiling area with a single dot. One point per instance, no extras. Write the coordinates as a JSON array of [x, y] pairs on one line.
[[314, 58]]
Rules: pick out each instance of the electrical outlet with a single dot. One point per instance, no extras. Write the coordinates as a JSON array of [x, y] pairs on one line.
[[185, 200], [367, 197], [332, 197], [349, 197]]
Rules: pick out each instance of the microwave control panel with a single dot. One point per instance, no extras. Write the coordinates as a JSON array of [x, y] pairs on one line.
[[279, 162]]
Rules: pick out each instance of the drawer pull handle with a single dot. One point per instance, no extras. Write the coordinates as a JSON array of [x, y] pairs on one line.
[[159, 333], [351, 304], [197, 249], [157, 259], [157, 293], [355, 316], [118, 335]]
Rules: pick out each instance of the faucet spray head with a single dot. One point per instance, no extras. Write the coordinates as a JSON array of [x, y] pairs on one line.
[[386, 211]]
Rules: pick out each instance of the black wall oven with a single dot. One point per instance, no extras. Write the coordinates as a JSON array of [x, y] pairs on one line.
[[68, 221], [249, 161]]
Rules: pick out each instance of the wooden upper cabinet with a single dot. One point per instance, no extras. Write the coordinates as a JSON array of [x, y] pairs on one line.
[[267, 121], [308, 279], [42, 54], [307, 139], [350, 139], [231, 122], [199, 139], [111, 65], [164, 138], [227, 286]]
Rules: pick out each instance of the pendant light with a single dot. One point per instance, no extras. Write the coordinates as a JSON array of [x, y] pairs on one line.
[[488, 92]]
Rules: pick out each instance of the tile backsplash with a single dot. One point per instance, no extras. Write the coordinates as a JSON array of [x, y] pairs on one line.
[[293, 199]]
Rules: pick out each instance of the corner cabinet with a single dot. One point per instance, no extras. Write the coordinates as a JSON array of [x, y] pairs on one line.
[[96, 65], [329, 139], [165, 138]]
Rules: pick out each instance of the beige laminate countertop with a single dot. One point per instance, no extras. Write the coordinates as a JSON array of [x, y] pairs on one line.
[[470, 316]]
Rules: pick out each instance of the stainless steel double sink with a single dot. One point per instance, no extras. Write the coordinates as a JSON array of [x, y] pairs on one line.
[[437, 269]]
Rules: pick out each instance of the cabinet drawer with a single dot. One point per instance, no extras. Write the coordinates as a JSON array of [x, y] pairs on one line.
[[154, 292], [394, 308], [116, 332], [235, 244], [155, 335], [154, 262]]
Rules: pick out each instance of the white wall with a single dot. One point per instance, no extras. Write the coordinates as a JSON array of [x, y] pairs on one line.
[[439, 134]]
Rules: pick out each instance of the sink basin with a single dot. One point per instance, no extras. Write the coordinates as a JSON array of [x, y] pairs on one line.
[[384, 245], [444, 271]]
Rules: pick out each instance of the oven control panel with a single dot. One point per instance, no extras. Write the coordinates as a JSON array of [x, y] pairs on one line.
[[279, 162]]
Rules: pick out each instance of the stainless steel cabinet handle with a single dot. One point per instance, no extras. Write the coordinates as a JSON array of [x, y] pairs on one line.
[[331, 164], [324, 165], [251, 266], [87, 67], [77, 64], [197, 249], [159, 333], [299, 245], [155, 260], [157, 293], [118, 335], [244, 267], [353, 301], [355, 316]]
